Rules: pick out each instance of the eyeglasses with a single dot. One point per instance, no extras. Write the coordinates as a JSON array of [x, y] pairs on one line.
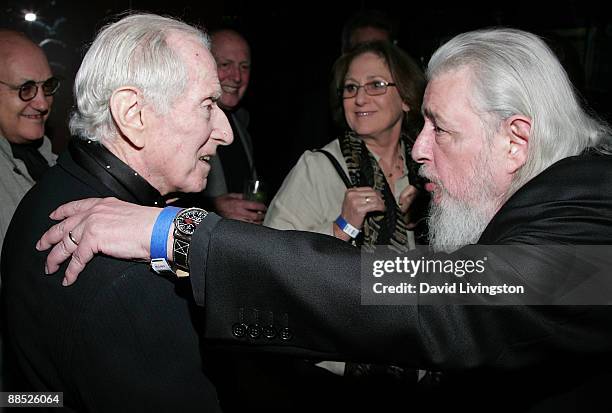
[[375, 88], [29, 89]]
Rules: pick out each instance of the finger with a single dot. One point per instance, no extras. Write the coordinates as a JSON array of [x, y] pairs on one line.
[[409, 192], [407, 197], [80, 258], [59, 253], [362, 189], [234, 195], [254, 206], [74, 207], [251, 216], [57, 232], [373, 207], [51, 237], [371, 198]]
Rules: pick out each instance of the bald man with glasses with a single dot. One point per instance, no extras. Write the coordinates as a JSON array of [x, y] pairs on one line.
[[26, 96]]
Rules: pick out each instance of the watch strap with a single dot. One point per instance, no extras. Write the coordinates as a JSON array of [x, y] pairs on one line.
[[181, 244], [181, 255]]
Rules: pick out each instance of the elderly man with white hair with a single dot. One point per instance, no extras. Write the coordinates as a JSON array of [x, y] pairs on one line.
[[512, 160], [145, 127]]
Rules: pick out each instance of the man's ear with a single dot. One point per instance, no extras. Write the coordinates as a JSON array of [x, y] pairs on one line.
[[126, 105], [518, 131]]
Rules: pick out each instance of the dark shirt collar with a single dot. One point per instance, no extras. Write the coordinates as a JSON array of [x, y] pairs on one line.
[[29, 154], [114, 173]]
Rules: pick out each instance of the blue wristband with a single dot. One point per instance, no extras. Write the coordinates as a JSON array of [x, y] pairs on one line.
[[347, 228], [159, 236]]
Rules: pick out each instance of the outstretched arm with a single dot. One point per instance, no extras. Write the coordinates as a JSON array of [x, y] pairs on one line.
[[99, 226]]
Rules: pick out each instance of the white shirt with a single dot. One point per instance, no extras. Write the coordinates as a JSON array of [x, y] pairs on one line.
[[15, 181], [310, 198]]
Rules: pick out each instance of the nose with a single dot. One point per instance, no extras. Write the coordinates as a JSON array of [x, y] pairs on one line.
[[41, 102], [361, 97], [421, 150], [222, 131], [235, 74]]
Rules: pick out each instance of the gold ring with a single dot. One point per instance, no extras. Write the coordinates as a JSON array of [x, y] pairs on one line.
[[72, 238]]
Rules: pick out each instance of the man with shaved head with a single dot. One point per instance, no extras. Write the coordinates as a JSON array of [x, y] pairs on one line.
[[26, 95]]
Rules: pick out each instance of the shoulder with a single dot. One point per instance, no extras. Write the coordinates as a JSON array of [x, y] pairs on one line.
[[46, 150], [569, 202], [319, 159], [242, 116], [575, 177]]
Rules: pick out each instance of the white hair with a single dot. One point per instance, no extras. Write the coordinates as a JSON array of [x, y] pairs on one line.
[[515, 73], [130, 52]]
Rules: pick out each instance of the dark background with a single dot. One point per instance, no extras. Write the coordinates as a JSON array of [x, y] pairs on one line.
[[295, 43]]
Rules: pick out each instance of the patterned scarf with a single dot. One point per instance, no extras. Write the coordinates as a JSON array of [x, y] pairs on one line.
[[390, 227]]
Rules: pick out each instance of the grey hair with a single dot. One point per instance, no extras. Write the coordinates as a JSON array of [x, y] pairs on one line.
[[130, 52], [515, 73]]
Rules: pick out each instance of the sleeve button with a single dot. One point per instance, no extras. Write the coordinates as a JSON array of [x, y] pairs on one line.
[[285, 334], [254, 331], [239, 330], [269, 332]]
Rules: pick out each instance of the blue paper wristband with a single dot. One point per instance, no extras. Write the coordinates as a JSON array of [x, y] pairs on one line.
[[159, 236], [347, 228]]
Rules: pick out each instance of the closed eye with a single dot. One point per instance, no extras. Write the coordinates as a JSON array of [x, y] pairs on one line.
[[208, 106]]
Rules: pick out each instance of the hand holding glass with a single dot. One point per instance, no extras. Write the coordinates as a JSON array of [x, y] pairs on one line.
[[255, 190]]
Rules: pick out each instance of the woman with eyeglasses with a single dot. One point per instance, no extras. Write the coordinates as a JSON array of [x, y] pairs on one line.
[[368, 192]]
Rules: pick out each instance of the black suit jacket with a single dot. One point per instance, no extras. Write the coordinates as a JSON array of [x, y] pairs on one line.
[[506, 358], [121, 339]]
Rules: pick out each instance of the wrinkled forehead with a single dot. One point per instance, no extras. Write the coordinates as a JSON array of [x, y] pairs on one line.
[[199, 62], [192, 52], [449, 98], [454, 84]]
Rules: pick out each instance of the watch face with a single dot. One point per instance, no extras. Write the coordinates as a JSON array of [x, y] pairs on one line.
[[188, 219]]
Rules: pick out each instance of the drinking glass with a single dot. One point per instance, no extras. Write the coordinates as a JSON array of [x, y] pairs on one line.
[[255, 190]]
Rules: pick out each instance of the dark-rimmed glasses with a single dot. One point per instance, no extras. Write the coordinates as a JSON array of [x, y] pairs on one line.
[[29, 89], [375, 88]]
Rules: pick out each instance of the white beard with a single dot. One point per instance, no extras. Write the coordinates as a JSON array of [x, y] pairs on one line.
[[453, 222]]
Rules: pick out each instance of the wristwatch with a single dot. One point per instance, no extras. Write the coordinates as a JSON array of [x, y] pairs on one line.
[[185, 223]]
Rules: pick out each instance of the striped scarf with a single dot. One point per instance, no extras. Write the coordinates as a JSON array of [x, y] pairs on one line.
[[379, 228]]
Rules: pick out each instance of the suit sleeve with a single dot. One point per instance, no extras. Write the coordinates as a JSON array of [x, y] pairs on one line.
[[306, 287]]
